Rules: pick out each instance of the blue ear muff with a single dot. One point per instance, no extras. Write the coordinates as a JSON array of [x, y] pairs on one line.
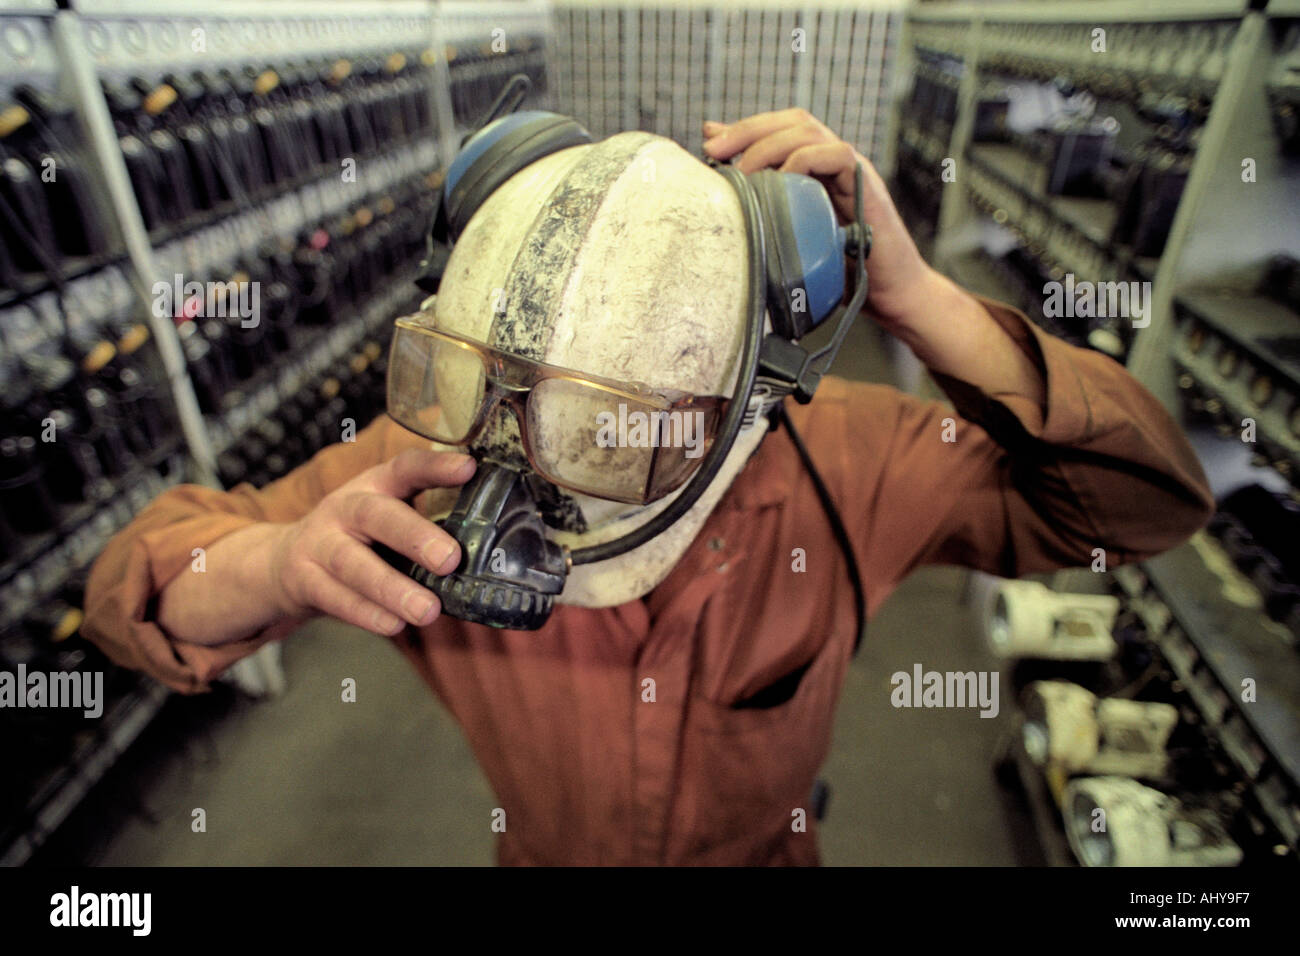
[[488, 157], [497, 152], [805, 251]]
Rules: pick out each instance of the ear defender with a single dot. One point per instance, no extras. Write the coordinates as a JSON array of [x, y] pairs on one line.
[[805, 251], [804, 256]]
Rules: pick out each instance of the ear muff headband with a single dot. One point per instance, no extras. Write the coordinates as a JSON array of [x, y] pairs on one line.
[[516, 141], [784, 280]]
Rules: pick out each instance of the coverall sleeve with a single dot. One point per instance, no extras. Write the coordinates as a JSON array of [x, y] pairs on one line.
[[142, 558], [1000, 483]]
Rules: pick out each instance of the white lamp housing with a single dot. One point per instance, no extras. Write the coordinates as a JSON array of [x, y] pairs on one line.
[[1067, 725], [1028, 619], [1116, 821]]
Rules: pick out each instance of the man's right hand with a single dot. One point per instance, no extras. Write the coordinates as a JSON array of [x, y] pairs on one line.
[[323, 563]]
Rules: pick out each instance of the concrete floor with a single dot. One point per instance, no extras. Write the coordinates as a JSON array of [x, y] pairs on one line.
[[307, 779]]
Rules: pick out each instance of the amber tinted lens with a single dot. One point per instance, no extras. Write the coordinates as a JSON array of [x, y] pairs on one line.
[[435, 387], [608, 445], [686, 435]]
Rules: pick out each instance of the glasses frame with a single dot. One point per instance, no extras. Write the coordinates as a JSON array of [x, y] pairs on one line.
[[510, 379]]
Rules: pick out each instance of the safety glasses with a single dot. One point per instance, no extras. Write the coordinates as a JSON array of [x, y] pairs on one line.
[[616, 440]]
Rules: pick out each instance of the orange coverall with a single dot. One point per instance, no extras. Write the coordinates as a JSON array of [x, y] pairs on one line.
[[589, 772]]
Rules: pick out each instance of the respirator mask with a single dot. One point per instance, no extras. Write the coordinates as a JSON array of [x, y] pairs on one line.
[[651, 450]]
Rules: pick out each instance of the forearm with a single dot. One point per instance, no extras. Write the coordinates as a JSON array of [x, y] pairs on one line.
[[952, 333], [232, 597]]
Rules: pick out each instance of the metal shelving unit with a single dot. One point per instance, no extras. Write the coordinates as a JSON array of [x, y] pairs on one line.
[[457, 53], [58, 795], [1036, 43], [1212, 646], [1218, 345]]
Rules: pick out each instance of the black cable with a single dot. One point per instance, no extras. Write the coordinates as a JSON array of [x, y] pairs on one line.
[[508, 100], [837, 527]]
